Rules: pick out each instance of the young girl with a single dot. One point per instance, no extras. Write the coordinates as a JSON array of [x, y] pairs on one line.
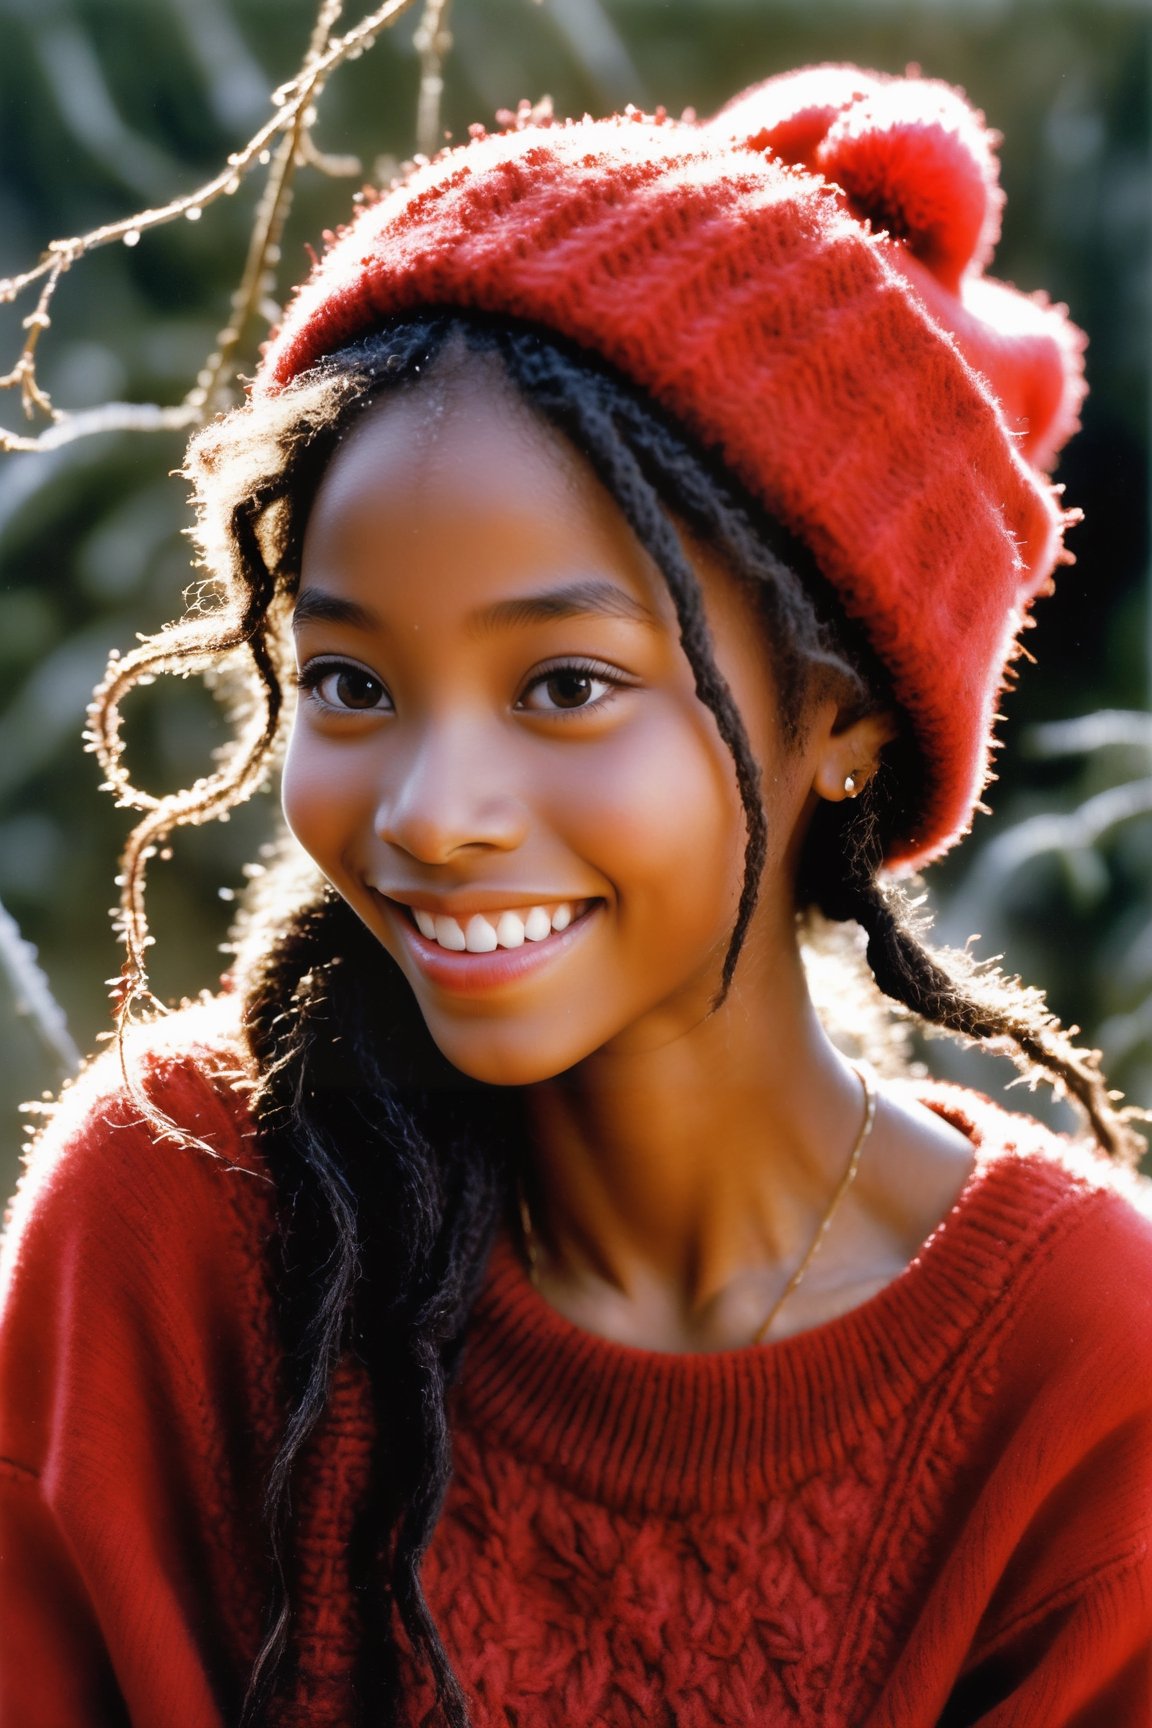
[[504, 1304]]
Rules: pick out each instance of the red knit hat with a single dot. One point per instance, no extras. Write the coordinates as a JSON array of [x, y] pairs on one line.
[[799, 281]]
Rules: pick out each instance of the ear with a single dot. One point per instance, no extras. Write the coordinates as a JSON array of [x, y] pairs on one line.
[[850, 754]]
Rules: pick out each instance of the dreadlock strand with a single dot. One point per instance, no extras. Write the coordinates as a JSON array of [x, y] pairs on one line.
[[841, 871], [312, 1352], [393, 1165], [659, 536], [590, 426], [907, 971]]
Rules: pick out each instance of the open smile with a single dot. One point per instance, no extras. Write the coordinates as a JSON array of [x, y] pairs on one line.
[[480, 951], [483, 933]]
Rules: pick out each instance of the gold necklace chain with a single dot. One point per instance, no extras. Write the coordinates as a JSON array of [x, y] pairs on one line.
[[865, 1076]]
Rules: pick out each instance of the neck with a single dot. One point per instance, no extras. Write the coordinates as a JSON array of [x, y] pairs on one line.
[[666, 1177]]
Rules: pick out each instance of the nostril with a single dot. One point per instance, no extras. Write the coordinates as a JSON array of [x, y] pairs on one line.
[[442, 808]]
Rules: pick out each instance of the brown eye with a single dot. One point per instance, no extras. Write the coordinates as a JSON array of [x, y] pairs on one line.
[[355, 689], [566, 688], [347, 689], [569, 689]]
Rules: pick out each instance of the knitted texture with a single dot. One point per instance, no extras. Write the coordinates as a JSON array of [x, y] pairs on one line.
[[937, 1508], [799, 282]]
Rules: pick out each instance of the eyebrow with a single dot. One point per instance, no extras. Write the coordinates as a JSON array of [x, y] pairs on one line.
[[590, 598], [317, 606]]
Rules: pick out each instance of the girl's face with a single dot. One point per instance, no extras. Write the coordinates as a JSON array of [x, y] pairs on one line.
[[499, 758]]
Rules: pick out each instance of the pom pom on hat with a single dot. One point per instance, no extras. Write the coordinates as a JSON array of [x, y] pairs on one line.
[[799, 282], [913, 158], [917, 162]]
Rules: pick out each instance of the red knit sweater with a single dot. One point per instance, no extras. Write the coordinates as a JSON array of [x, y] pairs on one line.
[[934, 1511]]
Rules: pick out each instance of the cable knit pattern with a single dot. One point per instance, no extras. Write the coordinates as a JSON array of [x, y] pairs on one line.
[[743, 1536], [935, 1511]]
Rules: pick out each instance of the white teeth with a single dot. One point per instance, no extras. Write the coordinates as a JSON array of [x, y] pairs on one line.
[[479, 936], [510, 930], [537, 925], [449, 934]]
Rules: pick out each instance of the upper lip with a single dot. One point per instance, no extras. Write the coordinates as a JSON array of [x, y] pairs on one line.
[[467, 905]]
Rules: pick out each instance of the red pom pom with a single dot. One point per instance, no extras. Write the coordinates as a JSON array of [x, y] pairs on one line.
[[790, 114], [913, 158], [918, 162]]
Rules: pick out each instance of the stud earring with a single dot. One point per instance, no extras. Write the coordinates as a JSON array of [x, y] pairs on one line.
[[849, 786]]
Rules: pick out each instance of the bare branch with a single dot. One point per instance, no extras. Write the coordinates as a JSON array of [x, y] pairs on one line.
[[288, 130], [109, 417], [23, 374], [258, 279], [256, 282], [433, 42]]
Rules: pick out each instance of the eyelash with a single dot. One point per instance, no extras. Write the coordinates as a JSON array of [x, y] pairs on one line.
[[311, 676], [593, 669]]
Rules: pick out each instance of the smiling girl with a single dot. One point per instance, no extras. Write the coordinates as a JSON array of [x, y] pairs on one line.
[[505, 1304]]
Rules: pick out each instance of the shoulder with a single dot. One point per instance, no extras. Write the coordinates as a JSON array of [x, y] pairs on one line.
[[1042, 1180], [135, 1252], [189, 1065], [140, 1364], [1053, 1380], [162, 1121], [1069, 1234]]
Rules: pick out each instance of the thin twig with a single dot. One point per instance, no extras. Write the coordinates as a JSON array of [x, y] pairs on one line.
[[294, 116], [23, 374], [290, 99], [433, 42], [109, 417], [263, 250], [258, 278]]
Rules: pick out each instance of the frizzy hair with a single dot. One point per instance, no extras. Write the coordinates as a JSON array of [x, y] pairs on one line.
[[392, 1170]]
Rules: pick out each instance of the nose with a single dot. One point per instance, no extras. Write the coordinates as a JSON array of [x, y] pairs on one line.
[[451, 792]]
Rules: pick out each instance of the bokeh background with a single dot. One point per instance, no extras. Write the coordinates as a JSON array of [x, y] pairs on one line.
[[107, 106]]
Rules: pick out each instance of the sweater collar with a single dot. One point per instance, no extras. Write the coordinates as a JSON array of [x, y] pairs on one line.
[[650, 1430]]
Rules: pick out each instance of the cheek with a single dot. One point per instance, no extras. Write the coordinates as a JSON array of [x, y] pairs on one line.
[[320, 798], [661, 808]]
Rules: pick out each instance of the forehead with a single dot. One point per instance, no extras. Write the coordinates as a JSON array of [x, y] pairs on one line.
[[456, 477], [451, 501], [438, 430]]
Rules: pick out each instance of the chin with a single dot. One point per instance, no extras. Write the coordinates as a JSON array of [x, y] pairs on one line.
[[483, 1055]]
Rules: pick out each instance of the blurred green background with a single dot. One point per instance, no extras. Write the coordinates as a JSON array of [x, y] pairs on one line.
[[110, 105]]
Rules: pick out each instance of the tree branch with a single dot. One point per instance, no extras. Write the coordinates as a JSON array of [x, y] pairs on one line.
[[291, 124]]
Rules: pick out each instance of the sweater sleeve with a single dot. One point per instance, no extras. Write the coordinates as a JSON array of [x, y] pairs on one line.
[[134, 1372], [1066, 1641], [1081, 1662]]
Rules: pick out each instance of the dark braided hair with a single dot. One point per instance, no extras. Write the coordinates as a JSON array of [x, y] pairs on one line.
[[392, 1169]]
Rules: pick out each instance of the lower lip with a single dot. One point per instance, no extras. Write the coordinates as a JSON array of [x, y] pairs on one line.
[[473, 974]]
